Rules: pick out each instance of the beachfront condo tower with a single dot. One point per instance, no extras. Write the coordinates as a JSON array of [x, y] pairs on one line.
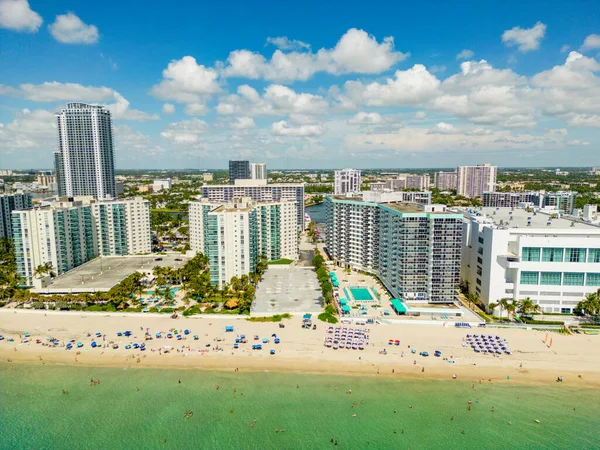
[[84, 163], [259, 191], [234, 234], [258, 171], [514, 253], [68, 232], [413, 249]]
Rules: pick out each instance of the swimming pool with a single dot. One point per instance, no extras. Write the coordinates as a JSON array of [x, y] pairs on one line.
[[361, 294]]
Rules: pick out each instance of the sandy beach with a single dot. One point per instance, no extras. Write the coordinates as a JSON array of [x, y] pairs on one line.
[[575, 358]]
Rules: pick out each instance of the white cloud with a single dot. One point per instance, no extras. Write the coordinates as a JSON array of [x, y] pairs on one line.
[[196, 109], [584, 120], [29, 130], [70, 29], [565, 48], [437, 69], [120, 110], [420, 115], [16, 15], [578, 142], [591, 42], [284, 43], [409, 87], [525, 38], [364, 118], [53, 91], [355, 52], [186, 81], [132, 144], [283, 128], [276, 100], [185, 132], [465, 54], [242, 123], [443, 128], [168, 108]]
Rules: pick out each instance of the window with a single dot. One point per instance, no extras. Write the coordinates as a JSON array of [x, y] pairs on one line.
[[575, 255], [594, 255], [592, 279], [531, 254], [552, 254], [551, 278], [529, 277], [573, 279]]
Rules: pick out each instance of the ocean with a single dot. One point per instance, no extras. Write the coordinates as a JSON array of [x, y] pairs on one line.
[[307, 409]]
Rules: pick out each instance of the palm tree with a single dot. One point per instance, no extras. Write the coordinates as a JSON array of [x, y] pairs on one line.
[[527, 307], [503, 304], [511, 308], [491, 307]]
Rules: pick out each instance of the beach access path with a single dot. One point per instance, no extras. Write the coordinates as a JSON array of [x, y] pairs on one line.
[[574, 357]]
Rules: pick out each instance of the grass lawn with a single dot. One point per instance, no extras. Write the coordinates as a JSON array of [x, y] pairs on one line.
[[281, 261]]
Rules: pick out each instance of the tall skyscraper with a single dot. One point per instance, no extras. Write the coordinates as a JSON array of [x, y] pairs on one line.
[[346, 181], [473, 181], [84, 163], [445, 181], [258, 171], [238, 170]]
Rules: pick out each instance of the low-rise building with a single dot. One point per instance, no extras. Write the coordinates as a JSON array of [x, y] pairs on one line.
[[515, 253], [234, 234], [159, 185]]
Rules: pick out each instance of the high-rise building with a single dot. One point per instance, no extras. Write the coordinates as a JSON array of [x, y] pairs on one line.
[[516, 253], [562, 200], [445, 181], [68, 232], [8, 204], [404, 181], [346, 181], [46, 178], [414, 250], [473, 181], [234, 234], [123, 226], [258, 171], [84, 163], [239, 170], [259, 191], [381, 196]]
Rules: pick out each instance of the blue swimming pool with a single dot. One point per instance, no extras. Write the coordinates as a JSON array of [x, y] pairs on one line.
[[361, 294]]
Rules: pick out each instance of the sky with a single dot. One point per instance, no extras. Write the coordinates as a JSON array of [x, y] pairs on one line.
[[312, 84]]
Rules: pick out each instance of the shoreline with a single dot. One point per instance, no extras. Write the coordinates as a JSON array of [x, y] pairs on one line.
[[300, 351]]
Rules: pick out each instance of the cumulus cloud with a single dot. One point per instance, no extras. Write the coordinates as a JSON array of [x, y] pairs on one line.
[[186, 81], [196, 109], [242, 123], [17, 15], [70, 29], [29, 130], [364, 118], [591, 42], [584, 120], [420, 115], [168, 108], [465, 54], [355, 52], [578, 142], [525, 38], [284, 43], [565, 48], [283, 128], [409, 87], [276, 100], [53, 91], [121, 111], [443, 128], [185, 132]]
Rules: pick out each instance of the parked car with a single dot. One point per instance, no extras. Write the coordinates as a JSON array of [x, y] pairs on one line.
[[158, 259]]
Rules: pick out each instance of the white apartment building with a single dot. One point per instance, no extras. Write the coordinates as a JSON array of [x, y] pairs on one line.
[[8, 204], [346, 181], [159, 185], [123, 226], [258, 171], [381, 196], [259, 191], [68, 232], [473, 181], [514, 253], [234, 234], [445, 181], [84, 163], [207, 176]]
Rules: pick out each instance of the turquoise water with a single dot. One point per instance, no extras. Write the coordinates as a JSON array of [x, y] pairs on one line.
[[35, 414], [361, 294]]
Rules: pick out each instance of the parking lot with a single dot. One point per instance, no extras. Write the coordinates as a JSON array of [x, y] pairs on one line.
[[288, 289], [101, 274]]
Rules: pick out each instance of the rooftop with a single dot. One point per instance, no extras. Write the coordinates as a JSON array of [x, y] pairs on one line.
[[521, 218], [403, 207]]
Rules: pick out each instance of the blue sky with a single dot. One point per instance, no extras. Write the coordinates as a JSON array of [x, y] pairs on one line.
[[315, 84]]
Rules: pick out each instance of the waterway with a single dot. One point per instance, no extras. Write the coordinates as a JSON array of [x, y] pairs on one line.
[[316, 213]]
